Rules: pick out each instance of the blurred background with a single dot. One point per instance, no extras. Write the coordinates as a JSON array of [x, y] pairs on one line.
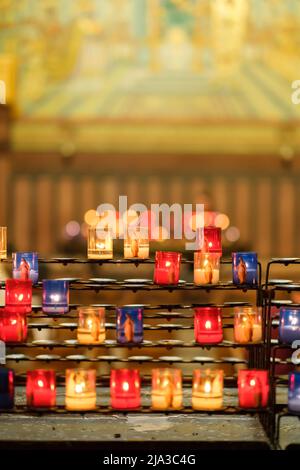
[[175, 101]]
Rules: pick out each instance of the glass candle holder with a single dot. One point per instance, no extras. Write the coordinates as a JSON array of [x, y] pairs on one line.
[[91, 325], [294, 393], [247, 325], [244, 268], [25, 266], [207, 391], [206, 268], [100, 244], [3, 242], [253, 388], [80, 389], [136, 244], [167, 267], [7, 391], [208, 325], [41, 388], [18, 295], [166, 389], [125, 389], [289, 324], [13, 326], [210, 240], [130, 324], [55, 296]]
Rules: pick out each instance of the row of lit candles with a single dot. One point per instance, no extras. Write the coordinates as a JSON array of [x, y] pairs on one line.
[[167, 267], [208, 327], [125, 389]]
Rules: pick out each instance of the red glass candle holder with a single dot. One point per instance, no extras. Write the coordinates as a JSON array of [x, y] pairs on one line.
[[13, 326], [125, 389], [210, 240], [18, 294], [253, 388], [41, 388], [167, 267], [208, 325]]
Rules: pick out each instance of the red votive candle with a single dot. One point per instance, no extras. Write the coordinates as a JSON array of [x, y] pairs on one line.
[[125, 389], [13, 326], [211, 240], [18, 294], [253, 388], [41, 388], [208, 325], [167, 267]]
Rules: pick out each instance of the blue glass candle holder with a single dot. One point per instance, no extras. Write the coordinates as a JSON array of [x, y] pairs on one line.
[[294, 393], [55, 296], [244, 268], [289, 325], [130, 324], [6, 388], [25, 266]]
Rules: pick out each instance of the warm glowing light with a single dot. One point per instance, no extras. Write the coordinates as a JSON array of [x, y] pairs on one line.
[[2, 92], [232, 234], [55, 297], [168, 264], [40, 383], [13, 322], [222, 221], [20, 297], [125, 386], [79, 387], [207, 386], [91, 217], [208, 324], [252, 382]]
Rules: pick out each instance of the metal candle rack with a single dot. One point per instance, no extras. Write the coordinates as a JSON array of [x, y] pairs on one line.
[[273, 287], [257, 357]]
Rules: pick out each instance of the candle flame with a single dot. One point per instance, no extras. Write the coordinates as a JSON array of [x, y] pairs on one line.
[[252, 382], [125, 386], [100, 246], [210, 244], [40, 383], [168, 264], [207, 386], [20, 297], [55, 297], [79, 387], [208, 324], [13, 321]]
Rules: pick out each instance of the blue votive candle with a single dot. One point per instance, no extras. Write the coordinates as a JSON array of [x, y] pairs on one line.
[[244, 268], [289, 324], [6, 388], [55, 296], [130, 324], [25, 266], [294, 392]]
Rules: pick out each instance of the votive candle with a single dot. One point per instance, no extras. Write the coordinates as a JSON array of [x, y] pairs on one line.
[[91, 325], [253, 388], [208, 325], [294, 393], [247, 325], [41, 388], [100, 244], [80, 389], [55, 296], [129, 324], [13, 326], [7, 392], [207, 391], [167, 267], [206, 268], [125, 389], [18, 295], [25, 266], [166, 389], [136, 244], [289, 324], [244, 268], [3, 242]]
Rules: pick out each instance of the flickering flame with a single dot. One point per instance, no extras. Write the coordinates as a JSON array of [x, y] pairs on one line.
[[55, 297], [207, 386], [100, 246], [125, 386], [252, 382], [210, 244], [79, 387], [168, 264], [20, 297], [90, 323], [40, 383], [293, 320], [13, 321], [208, 324]]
